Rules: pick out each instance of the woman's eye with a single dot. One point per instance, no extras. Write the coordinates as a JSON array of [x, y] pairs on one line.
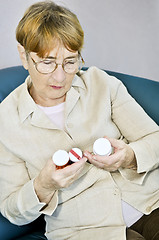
[[70, 62], [47, 62]]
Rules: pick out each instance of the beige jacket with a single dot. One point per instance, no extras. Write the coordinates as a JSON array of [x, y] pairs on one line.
[[96, 105]]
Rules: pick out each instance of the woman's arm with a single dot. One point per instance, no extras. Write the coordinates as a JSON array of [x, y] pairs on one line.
[[139, 147], [23, 199]]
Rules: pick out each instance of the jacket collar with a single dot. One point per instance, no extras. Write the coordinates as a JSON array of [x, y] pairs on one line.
[[28, 108]]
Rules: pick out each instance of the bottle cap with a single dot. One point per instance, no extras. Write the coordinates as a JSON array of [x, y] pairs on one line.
[[75, 154], [60, 158], [102, 147]]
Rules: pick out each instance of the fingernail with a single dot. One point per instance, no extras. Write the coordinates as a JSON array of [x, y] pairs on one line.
[[94, 157], [85, 154]]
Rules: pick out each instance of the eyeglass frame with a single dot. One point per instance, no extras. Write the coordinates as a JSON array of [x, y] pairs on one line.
[[62, 64]]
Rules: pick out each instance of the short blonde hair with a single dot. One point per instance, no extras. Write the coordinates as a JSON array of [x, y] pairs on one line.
[[45, 23]]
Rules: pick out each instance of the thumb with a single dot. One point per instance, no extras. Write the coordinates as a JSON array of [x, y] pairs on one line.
[[114, 142], [50, 164]]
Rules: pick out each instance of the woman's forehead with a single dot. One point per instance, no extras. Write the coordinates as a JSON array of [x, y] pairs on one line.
[[58, 52], [61, 51]]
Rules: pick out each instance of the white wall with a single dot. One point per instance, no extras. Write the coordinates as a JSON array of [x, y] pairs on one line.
[[120, 35]]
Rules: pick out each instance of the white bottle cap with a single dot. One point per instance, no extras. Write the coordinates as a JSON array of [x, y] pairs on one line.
[[102, 147], [60, 158], [75, 154]]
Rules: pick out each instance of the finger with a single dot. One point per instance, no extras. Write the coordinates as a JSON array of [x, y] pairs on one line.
[[71, 173], [99, 159], [87, 154], [115, 143], [107, 167], [49, 166], [73, 168], [97, 163]]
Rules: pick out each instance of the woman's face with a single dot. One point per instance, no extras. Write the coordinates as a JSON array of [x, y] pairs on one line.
[[50, 89]]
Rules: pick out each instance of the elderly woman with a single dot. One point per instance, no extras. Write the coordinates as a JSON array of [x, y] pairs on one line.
[[61, 107]]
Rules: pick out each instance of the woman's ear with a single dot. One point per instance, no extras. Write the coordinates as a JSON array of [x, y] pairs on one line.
[[23, 56]]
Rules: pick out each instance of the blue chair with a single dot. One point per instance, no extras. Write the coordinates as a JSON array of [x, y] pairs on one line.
[[34, 230], [146, 93]]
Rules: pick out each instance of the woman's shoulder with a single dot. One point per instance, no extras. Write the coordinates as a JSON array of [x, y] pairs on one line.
[[11, 101], [99, 79], [98, 75]]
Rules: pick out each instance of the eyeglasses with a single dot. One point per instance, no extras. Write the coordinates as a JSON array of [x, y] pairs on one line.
[[72, 65]]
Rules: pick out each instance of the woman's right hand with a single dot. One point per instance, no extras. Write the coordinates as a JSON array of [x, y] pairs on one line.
[[51, 179]]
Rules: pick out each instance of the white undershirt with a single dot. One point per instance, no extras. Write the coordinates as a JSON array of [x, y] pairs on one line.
[[56, 114], [130, 214]]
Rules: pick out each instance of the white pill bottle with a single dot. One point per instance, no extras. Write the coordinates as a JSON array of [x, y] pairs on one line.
[[102, 147], [75, 154], [60, 159]]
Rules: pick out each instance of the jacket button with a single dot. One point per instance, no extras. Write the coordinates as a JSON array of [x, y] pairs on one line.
[[116, 191]]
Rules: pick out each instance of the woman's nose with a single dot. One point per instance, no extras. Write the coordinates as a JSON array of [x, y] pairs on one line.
[[59, 74]]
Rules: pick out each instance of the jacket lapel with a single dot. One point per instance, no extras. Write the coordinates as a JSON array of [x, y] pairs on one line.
[[36, 115], [40, 119], [71, 100]]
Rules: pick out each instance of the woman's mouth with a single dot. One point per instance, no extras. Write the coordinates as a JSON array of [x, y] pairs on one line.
[[55, 87]]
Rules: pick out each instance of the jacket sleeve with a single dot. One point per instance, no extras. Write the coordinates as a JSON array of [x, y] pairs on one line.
[[140, 131], [18, 200]]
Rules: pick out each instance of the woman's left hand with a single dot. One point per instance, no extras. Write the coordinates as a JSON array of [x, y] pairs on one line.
[[122, 156]]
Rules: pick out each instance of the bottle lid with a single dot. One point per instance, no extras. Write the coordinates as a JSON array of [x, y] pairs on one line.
[[75, 154], [102, 147], [60, 158]]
